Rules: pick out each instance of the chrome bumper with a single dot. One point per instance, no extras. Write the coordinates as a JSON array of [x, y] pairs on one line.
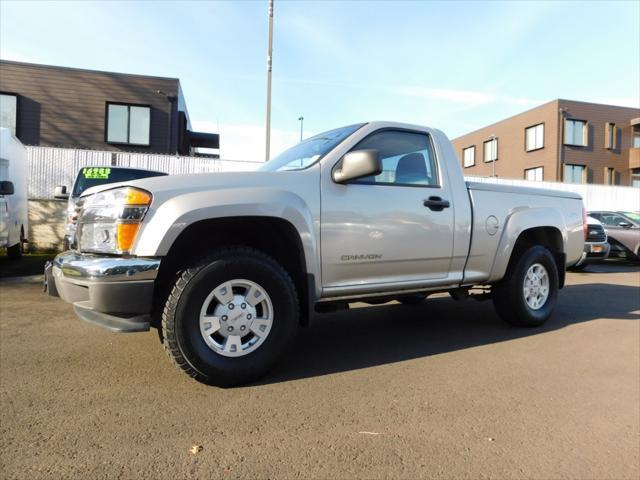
[[114, 292]]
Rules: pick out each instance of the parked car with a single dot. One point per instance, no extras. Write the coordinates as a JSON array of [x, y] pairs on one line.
[[228, 265], [14, 218], [623, 230], [596, 246], [88, 177]]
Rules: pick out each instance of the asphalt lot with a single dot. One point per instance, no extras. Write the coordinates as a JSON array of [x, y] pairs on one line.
[[440, 390]]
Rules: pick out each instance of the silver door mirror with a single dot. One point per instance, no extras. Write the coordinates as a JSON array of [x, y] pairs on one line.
[[61, 193], [358, 164], [625, 225]]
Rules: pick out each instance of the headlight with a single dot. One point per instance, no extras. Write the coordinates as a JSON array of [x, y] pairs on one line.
[[110, 220]]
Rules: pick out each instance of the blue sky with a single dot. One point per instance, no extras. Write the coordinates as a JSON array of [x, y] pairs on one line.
[[453, 65]]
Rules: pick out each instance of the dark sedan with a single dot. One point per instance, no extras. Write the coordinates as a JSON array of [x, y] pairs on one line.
[[623, 229]]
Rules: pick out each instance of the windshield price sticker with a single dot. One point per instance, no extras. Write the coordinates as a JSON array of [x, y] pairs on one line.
[[96, 173]]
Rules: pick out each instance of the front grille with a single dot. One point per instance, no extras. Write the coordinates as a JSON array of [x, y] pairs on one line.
[[595, 233]]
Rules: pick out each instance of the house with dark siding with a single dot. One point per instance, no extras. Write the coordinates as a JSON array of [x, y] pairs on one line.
[[75, 108]]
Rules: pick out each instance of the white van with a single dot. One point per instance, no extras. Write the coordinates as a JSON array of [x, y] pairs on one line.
[[14, 221]]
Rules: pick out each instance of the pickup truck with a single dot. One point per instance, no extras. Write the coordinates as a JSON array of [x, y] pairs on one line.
[[227, 265]]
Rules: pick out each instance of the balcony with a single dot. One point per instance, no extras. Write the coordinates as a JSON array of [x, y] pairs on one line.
[[634, 158], [634, 151]]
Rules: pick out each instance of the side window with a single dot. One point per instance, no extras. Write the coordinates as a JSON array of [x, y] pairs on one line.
[[407, 159], [611, 219]]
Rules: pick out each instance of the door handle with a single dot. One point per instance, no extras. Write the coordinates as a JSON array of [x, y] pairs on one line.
[[436, 204]]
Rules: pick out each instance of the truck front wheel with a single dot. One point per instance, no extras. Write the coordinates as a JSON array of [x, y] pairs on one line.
[[528, 292], [229, 317]]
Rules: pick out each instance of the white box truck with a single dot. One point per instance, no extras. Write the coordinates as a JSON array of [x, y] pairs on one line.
[[14, 221]]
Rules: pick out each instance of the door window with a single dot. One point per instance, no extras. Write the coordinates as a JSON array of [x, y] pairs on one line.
[[407, 159], [612, 220]]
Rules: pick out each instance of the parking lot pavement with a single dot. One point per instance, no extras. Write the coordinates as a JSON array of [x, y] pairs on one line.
[[440, 390]]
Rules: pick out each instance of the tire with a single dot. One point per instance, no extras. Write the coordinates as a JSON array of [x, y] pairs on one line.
[[509, 295], [214, 359], [15, 252]]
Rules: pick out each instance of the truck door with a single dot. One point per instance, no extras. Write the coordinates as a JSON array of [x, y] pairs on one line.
[[396, 227]]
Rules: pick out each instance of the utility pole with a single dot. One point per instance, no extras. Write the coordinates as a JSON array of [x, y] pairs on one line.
[[269, 68], [301, 123]]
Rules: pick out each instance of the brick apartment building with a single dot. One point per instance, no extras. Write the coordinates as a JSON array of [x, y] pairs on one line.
[[563, 140], [53, 106]]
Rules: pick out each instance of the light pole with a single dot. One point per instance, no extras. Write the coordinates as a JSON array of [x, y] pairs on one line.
[[301, 119], [269, 68]]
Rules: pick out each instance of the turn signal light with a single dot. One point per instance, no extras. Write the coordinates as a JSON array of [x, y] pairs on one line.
[[126, 235], [134, 196]]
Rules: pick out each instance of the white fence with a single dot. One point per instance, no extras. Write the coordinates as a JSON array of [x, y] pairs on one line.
[[595, 197], [50, 166]]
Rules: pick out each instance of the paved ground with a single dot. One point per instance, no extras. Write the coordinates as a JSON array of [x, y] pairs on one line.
[[442, 390]]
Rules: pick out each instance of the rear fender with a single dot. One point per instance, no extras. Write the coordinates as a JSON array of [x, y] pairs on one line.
[[518, 222]]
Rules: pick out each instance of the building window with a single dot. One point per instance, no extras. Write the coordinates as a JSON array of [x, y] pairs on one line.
[[574, 173], [491, 150], [575, 133], [610, 135], [469, 156], [610, 176], [128, 124], [636, 136], [534, 174], [534, 137], [635, 177], [9, 111]]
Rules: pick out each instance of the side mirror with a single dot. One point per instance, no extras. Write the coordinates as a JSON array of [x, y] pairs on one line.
[[60, 192], [358, 164], [6, 188], [625, 225]]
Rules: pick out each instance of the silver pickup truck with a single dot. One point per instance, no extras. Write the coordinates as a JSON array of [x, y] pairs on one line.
[[228, 265]]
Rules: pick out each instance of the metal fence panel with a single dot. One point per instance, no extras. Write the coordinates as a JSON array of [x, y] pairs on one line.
[[594, 197], [51, 166]]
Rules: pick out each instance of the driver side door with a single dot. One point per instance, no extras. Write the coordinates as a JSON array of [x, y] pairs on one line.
[[381, 230]]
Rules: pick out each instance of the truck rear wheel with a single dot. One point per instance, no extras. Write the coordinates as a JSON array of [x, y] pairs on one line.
[[528, 293], [229, 317]]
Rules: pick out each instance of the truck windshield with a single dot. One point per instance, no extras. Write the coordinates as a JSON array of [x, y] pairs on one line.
[[91, 176], [309, 151]]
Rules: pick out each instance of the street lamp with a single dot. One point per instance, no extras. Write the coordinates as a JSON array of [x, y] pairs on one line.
[[301, 119]]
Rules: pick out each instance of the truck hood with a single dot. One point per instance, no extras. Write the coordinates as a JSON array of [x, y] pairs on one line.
[[172, 185]]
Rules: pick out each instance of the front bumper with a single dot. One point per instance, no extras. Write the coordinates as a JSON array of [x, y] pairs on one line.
[[113, 292]]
